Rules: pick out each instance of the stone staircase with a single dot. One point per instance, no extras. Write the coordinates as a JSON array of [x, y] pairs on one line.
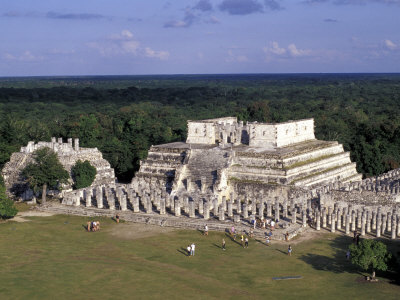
[[161, 162], [203, 164]]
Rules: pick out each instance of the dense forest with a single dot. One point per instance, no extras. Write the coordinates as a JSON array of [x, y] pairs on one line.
[[124, 115]]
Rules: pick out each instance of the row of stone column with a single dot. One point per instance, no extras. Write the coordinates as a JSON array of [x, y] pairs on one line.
[[363, 220]]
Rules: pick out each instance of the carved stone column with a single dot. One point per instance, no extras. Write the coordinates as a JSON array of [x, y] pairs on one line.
[[294, 216], [318, 221], [245, 211], [136, 204], [222, 214], [162, 206], [88, 196], [230, 209], [177, 208], [206, 213], [348, 224], [123, 203], [192, 212], [215, 202], [304, 217]]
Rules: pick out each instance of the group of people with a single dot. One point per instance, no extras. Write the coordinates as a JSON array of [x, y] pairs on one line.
[[93, 226], [264, 223], [190, 249], [244, 239]]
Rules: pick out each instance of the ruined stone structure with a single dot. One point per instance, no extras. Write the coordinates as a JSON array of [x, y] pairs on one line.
[[223, 156], [68, 154], [228, 172]]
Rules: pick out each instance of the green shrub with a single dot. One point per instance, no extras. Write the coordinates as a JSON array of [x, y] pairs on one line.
[[7, 207], [83, 174]]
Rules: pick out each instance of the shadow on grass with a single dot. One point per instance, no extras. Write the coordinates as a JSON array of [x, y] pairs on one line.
[[262, 243], [217, 246], [233, 239], [337, 262], [183, 251], [284, 252]]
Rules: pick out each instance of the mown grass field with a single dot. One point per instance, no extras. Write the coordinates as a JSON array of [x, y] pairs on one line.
[[55, 258]]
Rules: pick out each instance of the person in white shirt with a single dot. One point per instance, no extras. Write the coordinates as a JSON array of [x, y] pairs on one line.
[[193, 246], [272, 224]]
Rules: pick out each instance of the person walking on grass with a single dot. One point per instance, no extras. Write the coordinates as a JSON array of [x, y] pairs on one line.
[[193, 246], [246, 242], [223, 244], [206, 230], [267, 240], [289, 251], [189, 250], [242, 240]]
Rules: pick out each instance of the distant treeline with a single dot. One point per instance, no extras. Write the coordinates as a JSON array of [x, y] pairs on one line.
[[362, 111]]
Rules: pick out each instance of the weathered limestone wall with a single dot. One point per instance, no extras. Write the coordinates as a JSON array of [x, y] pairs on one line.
[[272, 136], [201, 133]]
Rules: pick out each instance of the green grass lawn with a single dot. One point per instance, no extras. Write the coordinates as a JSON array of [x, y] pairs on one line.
[[55, 258]]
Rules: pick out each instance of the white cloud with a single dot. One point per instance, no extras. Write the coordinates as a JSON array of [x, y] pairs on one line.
[[390, 45], [130, 46], [274, 50], [126, 34], [26, 56], [297, 52], [125, 43], [235, 58], [163, 55]]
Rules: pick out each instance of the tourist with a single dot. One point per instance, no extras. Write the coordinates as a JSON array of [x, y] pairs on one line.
[[223, 244], [206, 230], [358, 238], [287, 236], [267, 240], [189, 250], [348, 254], [117, 218], [289, 250], [272, 224], [89, 226], [246, 242], [233, 232], [242, 240], [193, 246], [355, 236], [254, 224]]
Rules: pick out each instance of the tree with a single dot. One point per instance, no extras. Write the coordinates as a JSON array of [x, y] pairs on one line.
[[45, 172], [370, 255], [259, 111], [83, 174], [7, 207]]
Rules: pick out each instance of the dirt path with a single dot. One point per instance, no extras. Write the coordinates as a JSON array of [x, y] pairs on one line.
[[20, 217]]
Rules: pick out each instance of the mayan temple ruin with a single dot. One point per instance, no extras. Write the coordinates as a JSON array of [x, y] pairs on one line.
[[68, 154], [228, 172]]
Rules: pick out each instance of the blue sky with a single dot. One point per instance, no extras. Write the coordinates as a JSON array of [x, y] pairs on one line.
[[128, 37]]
